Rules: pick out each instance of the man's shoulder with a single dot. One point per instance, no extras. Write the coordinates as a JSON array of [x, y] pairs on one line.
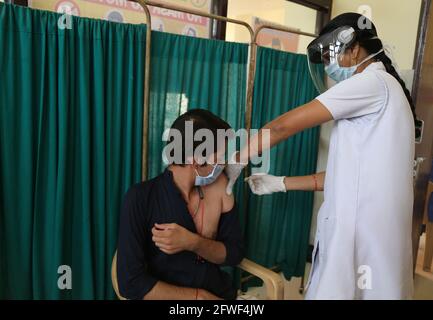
[[140, 190], [219, 187]]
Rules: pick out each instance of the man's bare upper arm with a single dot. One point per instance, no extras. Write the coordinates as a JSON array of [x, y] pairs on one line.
[[218, 190], [228, 201]]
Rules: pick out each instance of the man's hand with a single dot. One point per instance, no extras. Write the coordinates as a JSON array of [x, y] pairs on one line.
[[171, 238]]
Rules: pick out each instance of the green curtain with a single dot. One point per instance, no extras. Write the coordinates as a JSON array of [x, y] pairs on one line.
[[278, 225], [71, 106], [189, 73]]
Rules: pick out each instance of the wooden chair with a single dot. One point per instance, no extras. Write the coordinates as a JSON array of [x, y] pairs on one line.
[[428, 251], [273, 282]]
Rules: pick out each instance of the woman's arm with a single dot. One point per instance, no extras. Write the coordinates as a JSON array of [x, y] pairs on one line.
[[262, 184], [313, 182], [307, 116]]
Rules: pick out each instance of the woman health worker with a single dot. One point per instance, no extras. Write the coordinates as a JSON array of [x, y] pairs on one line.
[[363, 247]]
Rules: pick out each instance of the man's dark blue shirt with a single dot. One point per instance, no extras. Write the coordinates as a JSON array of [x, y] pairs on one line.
[[140, 264]]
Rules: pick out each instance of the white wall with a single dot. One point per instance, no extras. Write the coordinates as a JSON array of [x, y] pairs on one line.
[[277, 11], [396, 22]]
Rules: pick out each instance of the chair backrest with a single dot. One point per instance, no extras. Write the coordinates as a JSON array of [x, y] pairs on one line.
[[114, 277]]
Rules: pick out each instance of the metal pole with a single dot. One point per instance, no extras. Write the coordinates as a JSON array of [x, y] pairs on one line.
[[144, 165], [144, 4], [252, 66], [251, 79], [281, 28], [199, 13]]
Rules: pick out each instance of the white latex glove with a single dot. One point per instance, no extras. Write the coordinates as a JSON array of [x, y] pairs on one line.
[[233, 171], [261, 184]]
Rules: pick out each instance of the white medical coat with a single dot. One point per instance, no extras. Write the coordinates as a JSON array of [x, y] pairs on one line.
[[363, 247]]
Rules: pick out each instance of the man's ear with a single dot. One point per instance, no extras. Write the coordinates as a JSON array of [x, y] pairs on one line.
[[190, 161], [199, 161]]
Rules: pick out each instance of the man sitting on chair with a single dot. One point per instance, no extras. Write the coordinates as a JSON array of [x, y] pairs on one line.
[[177, 229]]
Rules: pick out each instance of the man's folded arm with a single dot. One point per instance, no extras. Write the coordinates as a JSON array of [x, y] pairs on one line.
[[210, 250], [165, 291], [135, 283], [230, 234], [227, 248]]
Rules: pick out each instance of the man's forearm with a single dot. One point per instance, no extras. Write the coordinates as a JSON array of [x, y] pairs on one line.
[[210, 250], [306, 183], [165, 291]]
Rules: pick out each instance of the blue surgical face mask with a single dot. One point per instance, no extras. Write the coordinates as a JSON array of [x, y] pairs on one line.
[[211, 178], [338, 74]]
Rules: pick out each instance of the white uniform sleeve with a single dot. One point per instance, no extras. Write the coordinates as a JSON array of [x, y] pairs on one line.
[[364, 93]]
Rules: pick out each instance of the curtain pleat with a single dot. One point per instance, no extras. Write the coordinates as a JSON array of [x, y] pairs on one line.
[[71, 134]]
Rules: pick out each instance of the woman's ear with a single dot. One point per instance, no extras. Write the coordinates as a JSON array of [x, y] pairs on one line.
[[355, 53]]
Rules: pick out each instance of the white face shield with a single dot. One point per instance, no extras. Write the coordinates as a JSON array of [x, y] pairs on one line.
[[325, 50]]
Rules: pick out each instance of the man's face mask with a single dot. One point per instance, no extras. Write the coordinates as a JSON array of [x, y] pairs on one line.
[[211, 177]]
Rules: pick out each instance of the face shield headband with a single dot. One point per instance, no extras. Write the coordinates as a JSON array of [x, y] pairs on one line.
[[326, 51]]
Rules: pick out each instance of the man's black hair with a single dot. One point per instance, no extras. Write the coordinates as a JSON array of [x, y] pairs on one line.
[[201, 119]]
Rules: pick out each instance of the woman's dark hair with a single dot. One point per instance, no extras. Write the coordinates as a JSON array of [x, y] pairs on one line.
[[366, 37]]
